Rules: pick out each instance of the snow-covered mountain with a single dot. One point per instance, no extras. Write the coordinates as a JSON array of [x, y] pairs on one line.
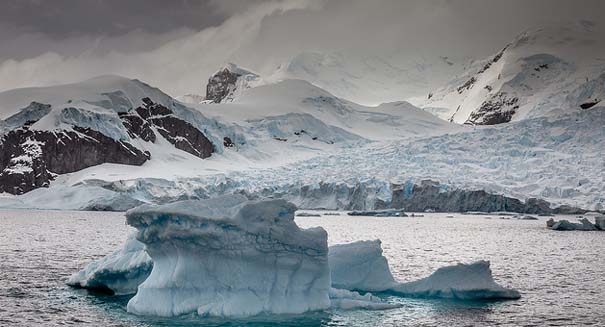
[[367, 79], [541, 72], [112, 143], [113, 120]]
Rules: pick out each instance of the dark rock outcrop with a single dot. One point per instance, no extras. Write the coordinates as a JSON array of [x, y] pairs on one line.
[[137, 127], [221, 84], [30, 159], [589, 104], [178, 132], [498, 109], [429, 195]]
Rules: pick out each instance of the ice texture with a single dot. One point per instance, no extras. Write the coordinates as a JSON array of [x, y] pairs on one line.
[[119, 273], [357, 266], [230, 257], [361, 266], [462, 281]]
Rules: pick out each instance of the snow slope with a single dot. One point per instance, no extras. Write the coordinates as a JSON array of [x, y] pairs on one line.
[[558, 159], [553, 69], [367, 79]]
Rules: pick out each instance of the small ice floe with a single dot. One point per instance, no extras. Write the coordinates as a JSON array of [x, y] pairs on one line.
[[331, 213], [379, 213], [528, 217], [583, 225], [307, 214]]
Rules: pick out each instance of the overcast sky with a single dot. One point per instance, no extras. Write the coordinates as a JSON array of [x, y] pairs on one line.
[[177, 44]]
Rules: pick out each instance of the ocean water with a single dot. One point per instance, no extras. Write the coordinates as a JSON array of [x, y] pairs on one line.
[[561, 275]]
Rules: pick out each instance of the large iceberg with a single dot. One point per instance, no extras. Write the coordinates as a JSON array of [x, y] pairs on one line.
[[358, 266], [230, 257]]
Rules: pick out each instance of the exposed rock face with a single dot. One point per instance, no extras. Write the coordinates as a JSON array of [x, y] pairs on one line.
[[25, 116], [178, 132], [228, 81], [30, 159], [220, 85], [137, 127], [430, 195], [498, 109]]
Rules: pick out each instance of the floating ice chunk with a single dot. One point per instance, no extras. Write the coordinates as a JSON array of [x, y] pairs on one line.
[[600, 222], [121, 272], [463, 281], [230, 257], [565, 225], [360, 266], [347, 300]]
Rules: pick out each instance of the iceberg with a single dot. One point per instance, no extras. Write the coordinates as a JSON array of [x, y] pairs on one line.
[[119, 273], [357, 266], [583, 225], [361, 266], [230, 257], [462, 282]]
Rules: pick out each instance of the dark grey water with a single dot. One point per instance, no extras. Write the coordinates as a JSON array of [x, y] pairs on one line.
[[561, 275]]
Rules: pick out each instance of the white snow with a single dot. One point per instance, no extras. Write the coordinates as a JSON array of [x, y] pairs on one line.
[[230, 257], [551, 70]]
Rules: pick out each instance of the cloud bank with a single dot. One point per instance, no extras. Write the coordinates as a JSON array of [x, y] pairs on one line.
[[179, 55]]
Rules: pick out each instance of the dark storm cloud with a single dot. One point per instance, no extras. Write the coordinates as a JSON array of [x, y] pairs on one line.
[[176, 44], [63, 18]]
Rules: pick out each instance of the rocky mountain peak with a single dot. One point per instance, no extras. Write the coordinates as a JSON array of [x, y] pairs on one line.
[[228, 82]]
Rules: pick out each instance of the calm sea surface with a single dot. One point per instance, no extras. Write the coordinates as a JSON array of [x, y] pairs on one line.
[[561, 275]]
